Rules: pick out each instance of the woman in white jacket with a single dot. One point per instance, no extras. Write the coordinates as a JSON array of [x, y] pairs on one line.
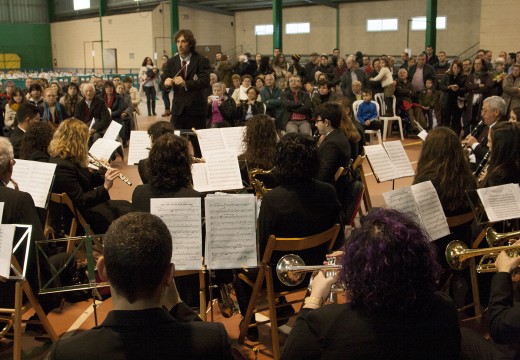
[[387, 82]]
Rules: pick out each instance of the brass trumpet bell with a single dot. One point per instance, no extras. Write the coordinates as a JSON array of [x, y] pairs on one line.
[[458, 255], [496, 239]]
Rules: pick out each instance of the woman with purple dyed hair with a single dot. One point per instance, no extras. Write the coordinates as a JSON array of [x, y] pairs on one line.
[[393, 312]]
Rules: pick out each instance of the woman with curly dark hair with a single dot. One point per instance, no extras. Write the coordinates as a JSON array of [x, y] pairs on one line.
[[300, 206], [169, 173], [36, 141], [393, 310], [71, 98]]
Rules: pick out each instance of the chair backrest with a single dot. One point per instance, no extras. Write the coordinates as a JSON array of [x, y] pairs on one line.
[[302, 243], [64, 200], [454, 221], [356, 104], [380, 99], [358, 166]]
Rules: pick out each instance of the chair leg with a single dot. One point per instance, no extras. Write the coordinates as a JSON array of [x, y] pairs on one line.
[[251, 306], [17, 349], [400, 122], [379, 137], [272, 314], [385, 128], [39, 311], [202, 295]]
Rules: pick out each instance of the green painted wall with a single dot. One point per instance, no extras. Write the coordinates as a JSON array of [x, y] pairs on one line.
[[32, 42]]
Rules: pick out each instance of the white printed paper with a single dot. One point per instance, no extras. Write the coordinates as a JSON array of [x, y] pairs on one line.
[[103, 148], [230, 232], [501, 202], [139, 147], [383, 168], [398, 157], [35, 178], [216, 139], [220, 172], [6, 248], [113, 130], [182, 216]]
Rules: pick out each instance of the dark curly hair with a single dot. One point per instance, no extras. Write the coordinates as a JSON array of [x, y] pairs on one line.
[[389, 264], [37, 138], [160, 128], [260, 142], [296, 159], [169, 167], [188, 36]]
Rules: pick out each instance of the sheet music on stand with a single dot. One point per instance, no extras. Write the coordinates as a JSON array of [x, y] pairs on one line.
[[182, 216], [113, 131], [35, 178], [499, 203], [219, 172], [389, 161], [103, 148], [231, 231], [217, 139], [139, 147], [6, 249], [422, 201]]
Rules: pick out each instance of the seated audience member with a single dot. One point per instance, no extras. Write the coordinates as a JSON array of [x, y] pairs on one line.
[[300, 206], [240, 94], [236, 82], [52, 111], [259, 142], [134, 93], [503, 166], [27, 113], [514, 115], [357, 91], [353, 129], [169, 172], [323, 95], [35, 94], [250, 107], [71, 98], [12, 106], [127, 116], [334, 148], [272, 98], [55, 85], [155, 131], [149, 320], [88, 191], [406, 100], [222, 109], [260, 82], [28, 82], [35, 143], [114, 103], [93, 108], [367, 112], [297, 108], [389, 271]]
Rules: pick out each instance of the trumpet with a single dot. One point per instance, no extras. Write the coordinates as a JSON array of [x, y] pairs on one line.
[[495, 239], [458, 255], [100, 163]]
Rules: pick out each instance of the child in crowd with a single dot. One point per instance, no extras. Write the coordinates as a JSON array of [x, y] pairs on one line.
[[429, 99], [367, 112]]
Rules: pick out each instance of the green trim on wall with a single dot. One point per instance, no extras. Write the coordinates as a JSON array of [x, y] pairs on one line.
[[32, 42]]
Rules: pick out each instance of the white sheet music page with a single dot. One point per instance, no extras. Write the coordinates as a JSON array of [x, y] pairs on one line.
[[432, 214], [223, 171], [402, 200], [230, 232], [103, 148], [6, 248], [200, 177], [384, 169], [233, 139], [182, 216], [35, 178], [398, 157], [210, 140], [139, 147], [501, 202], [113, 130]]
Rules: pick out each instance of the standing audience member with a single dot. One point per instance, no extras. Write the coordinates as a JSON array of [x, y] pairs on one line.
[[149, 319], [147, 76], [165, 91], [478, 84], [452, 87], [351, 75], [296, 68], [418, 73], [387, 82], [511, 94]]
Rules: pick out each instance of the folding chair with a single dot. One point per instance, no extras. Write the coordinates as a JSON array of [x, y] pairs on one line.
[[372, 133], [358, 166], [352, 195], [380, 99], [265, 272]]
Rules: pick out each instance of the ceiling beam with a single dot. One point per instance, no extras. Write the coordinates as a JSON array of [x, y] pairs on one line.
[[188, 4], [325, 3]]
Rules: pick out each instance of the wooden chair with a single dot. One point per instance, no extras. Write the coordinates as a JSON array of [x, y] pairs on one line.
[[380, 99], [351, 200], [265, 272], [358, 166], [454, 221], [19, 309], [372, 133]]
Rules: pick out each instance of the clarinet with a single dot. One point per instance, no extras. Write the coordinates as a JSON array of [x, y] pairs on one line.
[[476, 130], [483, 164]]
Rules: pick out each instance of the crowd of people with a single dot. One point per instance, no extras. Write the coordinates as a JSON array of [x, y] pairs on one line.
[[392, 271]]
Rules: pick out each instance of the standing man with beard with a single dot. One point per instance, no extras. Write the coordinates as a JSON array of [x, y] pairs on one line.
[[188, 74]]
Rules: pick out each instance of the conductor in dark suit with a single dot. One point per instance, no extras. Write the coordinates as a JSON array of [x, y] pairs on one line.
[[149, 321], [334, 149], [188, 74]]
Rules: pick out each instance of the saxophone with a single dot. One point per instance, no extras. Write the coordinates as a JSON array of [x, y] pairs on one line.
[[226, 304]]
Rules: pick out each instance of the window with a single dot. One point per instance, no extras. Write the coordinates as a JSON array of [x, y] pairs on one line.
[[263, 30], [419, 23], [81, 4], [382, 24], [298, 28]]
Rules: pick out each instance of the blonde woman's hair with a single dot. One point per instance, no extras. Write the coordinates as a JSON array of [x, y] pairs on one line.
[[70, 142]]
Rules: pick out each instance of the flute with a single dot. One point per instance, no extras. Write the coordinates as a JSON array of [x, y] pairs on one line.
[[104, 164]]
